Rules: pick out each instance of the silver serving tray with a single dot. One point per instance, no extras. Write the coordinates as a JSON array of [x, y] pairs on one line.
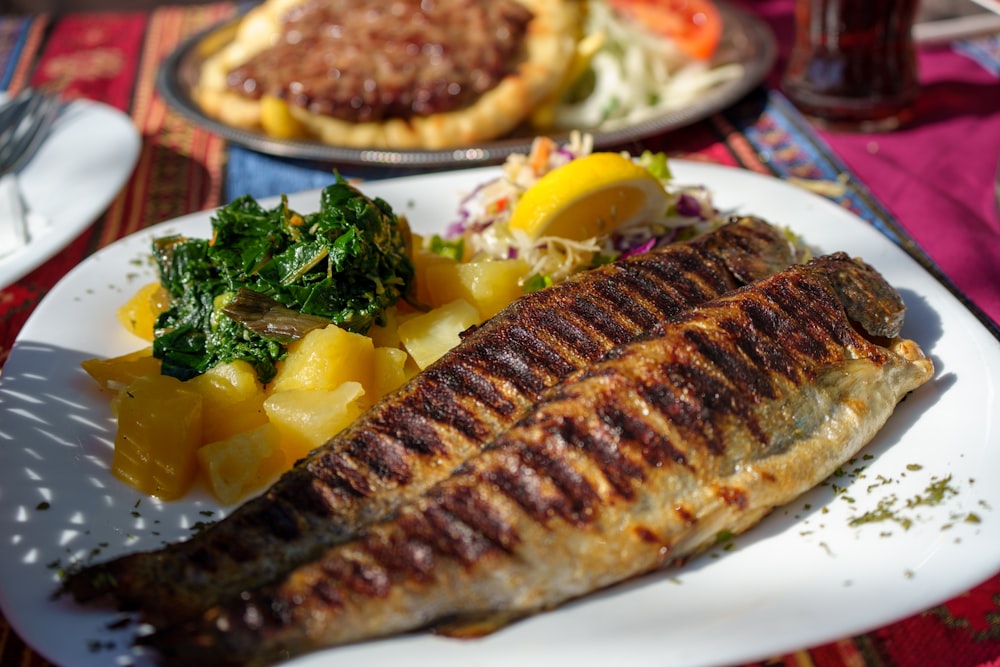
[[746, 39]]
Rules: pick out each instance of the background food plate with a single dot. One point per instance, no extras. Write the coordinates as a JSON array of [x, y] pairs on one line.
[[77, 171], [746, 39], [804, 576]]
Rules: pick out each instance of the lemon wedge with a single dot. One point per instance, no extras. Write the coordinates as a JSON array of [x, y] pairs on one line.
[[587, 197]]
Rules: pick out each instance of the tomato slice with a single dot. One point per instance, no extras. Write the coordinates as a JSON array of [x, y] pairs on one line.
[[695, 25]]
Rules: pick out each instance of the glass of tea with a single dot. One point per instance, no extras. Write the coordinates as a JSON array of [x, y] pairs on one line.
[[853, 65]]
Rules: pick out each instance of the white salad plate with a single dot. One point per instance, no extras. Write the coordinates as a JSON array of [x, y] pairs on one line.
[[806, 575], [77, 171]]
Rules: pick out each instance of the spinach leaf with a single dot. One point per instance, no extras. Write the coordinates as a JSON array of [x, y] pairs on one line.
[[347, 263]]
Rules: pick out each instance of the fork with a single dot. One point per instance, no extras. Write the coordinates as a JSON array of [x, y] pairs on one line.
[[24, 123]]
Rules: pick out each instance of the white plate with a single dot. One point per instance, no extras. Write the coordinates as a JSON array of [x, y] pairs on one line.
[[76, 173], [802, 577]]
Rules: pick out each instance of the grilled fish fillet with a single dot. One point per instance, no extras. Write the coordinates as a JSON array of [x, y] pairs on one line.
[[708, 423], [420, 434]]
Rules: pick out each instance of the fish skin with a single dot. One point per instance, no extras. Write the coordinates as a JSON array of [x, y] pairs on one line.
[[723, 413], [420, 434]]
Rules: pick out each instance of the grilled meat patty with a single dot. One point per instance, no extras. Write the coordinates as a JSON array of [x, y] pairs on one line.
[[421, 433], [703, 425], [405, 74], [368, 60]]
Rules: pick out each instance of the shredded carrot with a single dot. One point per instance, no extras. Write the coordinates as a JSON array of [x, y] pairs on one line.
[[541, 149], [498, 206], [211, 241]]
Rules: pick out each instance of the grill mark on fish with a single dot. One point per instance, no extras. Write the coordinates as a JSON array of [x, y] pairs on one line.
[[385, 457], [409, 558], [467, 380], [440, 405], [694, 268], [627, 295], [410, 424], [469, 506], [578, 496], [439, 419], [767, 357], [457, 537], [708, 398], [646, 535], [572, 334], [733, 496], [687, 517], [737, 376], [441, 537], [522, 358], [692, 278], [602, 317], [365, 578], [600, 442], [732, 364], [541, 484], [655, 448], [793, 305], [744, 256], [527, 490], [340, 475]]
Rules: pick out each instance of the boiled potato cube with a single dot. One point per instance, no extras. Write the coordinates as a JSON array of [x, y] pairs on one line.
[[233, 400], [410, 369], [119, 372], [227, 383], [390, 371], [488, 285], [139, 313], [224, 421], [386, 335], [429, 335], [325, 359], [242, 463], [441, 283], [308, 418], [423, 261], [159, 432]]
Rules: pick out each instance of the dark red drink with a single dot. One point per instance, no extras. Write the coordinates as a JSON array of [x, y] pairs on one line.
[[853, 65]]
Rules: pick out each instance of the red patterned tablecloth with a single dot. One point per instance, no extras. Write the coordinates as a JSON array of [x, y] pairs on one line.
[[929, 187]]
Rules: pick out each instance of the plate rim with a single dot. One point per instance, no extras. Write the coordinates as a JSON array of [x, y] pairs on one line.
[[173, 90]]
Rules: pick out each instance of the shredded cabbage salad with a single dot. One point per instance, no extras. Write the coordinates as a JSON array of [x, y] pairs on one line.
[[481, 230], [633, 76]]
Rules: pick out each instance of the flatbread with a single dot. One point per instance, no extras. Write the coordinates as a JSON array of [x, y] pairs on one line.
[[549, 45]]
